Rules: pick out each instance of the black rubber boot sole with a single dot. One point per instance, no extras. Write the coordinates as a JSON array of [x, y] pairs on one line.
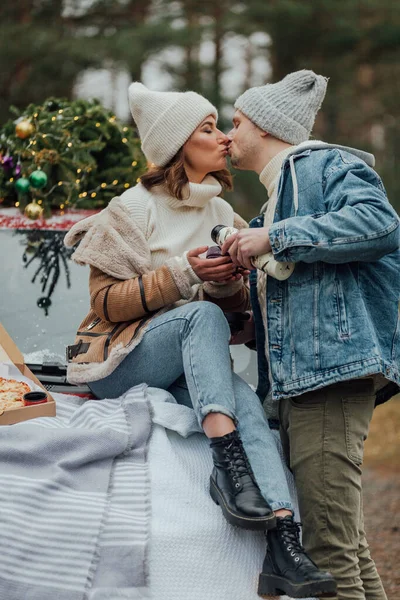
[[239, 519], [272, 585]]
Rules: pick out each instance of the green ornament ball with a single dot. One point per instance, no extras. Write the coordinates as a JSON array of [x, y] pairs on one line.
[[38, 179], [22, 185]]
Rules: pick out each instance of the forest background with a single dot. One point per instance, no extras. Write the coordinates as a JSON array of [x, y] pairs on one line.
[[218, 48]]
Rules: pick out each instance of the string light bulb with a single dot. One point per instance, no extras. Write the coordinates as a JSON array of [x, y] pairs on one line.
[[134, 163], [93, 195], [115, 182]]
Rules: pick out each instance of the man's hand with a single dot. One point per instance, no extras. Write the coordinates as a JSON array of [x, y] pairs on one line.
[[245, 244], [212, 269]]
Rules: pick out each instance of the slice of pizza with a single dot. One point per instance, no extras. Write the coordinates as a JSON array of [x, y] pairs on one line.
[[11, 393]]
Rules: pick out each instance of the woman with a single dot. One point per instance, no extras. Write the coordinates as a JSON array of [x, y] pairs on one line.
[[156, 314]]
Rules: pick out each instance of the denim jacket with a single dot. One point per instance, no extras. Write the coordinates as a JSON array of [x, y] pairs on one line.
[[337, 316]]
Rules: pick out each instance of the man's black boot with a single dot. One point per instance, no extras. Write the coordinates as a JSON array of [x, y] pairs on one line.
[[288, 570], [234, 488]]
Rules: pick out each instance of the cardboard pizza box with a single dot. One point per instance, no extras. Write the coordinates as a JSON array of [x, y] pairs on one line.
[[10, 355]]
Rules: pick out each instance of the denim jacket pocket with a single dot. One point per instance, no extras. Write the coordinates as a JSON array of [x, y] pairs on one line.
[[341, 313], [357, 412]]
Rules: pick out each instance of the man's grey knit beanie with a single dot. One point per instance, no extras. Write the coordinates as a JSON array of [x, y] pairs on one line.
[[286, 109]]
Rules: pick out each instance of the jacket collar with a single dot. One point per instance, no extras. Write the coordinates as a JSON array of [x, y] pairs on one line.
[[305, 149]]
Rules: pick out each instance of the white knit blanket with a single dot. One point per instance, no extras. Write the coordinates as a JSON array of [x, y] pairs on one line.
[[194, 552], [67, 530], [142, 526]]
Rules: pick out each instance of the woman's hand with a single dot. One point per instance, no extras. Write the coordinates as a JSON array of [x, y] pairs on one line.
[[212, 269]]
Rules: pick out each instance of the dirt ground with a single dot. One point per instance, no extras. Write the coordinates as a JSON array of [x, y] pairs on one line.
[[382, 494]]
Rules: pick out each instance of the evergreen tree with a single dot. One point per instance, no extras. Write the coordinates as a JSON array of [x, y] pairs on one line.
[[64, 154]]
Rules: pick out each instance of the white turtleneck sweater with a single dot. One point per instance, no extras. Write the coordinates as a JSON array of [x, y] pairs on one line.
[[172, 226]]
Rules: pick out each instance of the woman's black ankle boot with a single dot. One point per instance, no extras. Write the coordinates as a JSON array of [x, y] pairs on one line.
[[288, 570], [234, 488]]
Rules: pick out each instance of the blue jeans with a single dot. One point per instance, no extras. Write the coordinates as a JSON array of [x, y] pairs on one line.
[[186, 351]]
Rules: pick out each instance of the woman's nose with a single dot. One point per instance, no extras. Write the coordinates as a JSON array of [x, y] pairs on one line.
[[223, 138]]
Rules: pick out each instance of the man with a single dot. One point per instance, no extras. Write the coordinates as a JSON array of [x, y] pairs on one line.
[[328, 337]]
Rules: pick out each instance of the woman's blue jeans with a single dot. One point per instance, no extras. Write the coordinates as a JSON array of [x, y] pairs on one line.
[[186, 351]]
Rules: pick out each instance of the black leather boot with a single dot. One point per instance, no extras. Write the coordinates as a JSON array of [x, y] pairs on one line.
[[234, 488], [288, 570]]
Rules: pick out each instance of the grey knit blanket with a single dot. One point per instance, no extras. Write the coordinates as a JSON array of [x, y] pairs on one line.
[[67, 532]]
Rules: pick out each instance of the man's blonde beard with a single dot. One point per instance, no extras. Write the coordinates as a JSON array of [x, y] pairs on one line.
[[246, 159]]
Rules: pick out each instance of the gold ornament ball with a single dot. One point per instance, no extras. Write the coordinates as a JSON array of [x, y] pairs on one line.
[[33, 211], [24, 129]]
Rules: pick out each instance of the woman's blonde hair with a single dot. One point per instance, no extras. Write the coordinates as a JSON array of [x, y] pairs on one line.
[[173, 177]]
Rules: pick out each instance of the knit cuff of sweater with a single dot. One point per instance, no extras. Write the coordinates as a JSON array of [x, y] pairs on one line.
[[183, 275], [216, 289]]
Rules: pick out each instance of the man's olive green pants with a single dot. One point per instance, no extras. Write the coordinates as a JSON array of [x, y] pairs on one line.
[[323, 435]]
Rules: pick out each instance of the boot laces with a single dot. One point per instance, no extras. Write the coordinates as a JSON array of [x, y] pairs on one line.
[[290, 533], [238, 463]]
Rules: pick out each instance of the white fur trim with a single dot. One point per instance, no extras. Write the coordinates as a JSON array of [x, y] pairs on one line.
[[112, 242], [222, 290], [182, 277]]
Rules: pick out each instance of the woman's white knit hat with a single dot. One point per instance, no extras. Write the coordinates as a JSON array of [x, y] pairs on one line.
[[166, 120], [286, 109]]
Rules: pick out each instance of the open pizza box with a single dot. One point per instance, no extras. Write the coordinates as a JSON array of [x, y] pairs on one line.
[[12, 366]]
